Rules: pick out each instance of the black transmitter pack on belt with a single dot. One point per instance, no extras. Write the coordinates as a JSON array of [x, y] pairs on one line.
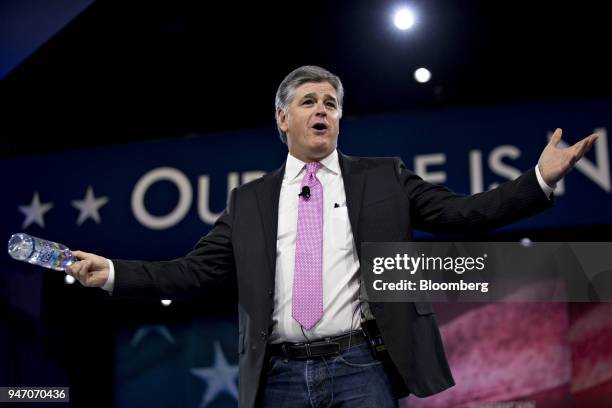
[[375, 340]]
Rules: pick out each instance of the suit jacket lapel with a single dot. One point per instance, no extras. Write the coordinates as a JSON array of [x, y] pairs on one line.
[[353, 175], [268, 195]]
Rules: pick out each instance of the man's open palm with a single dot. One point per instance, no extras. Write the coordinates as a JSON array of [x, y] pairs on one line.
[[555, 163]]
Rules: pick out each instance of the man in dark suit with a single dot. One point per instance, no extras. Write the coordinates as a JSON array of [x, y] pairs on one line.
[[292, 239]]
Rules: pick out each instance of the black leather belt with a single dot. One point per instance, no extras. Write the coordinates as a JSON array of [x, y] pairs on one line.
[[317, 348]]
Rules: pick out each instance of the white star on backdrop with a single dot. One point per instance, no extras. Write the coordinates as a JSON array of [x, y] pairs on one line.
[[220, 377], [89, 206], [157, 328], [35, 212]]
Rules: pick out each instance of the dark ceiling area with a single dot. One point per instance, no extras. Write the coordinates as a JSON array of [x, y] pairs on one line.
[[128, 71]]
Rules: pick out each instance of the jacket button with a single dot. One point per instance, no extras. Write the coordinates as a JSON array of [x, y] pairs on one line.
[[264, 334], [270, 293]]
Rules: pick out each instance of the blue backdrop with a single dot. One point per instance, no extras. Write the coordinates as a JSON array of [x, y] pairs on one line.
[[154, 200]]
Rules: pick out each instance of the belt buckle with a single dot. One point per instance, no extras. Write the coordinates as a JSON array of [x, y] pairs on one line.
[[324, 349]]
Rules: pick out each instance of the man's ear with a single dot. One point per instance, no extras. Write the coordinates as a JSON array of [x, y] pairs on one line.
[[282, 121]]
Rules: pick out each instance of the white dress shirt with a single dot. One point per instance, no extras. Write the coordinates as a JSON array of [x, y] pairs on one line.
[[340, 260]]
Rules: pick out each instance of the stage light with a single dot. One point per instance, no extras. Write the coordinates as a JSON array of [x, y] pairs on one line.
[[166, 302], [422, 75], [69, 280], [403, 19], [526, 242]]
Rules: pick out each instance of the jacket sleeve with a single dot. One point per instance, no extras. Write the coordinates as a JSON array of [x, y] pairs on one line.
[[435, 208], [210, 262]]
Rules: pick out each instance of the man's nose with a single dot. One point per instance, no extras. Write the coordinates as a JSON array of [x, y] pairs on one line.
[[320, 111]]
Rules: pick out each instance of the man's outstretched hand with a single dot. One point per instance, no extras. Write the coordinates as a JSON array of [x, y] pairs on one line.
[[91, 270], [555, 163]]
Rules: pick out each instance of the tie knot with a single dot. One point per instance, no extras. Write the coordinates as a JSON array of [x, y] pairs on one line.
[[312, 167]]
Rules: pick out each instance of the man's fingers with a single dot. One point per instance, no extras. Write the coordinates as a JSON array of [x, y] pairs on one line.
[[588, 143], [84, 269], [592, 139], [580, 150], [556, 137], [79, 270], [589, 140], [577, 148], [80, 254], [583, 146], [72, 269]]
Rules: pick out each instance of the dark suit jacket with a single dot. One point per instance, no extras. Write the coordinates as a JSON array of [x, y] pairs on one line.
[[385, 202]]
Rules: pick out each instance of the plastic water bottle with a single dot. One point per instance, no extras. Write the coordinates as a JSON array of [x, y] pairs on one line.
[[38, 251]]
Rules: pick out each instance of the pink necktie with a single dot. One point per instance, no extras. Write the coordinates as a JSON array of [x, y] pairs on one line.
[[307, 302]]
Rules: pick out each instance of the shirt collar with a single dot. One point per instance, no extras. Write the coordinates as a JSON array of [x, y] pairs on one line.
[[294, 166]]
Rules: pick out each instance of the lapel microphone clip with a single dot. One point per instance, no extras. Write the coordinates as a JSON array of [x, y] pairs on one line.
[[305, 193]]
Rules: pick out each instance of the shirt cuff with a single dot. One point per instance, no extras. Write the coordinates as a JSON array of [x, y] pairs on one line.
[[548, 190], [110, 281]]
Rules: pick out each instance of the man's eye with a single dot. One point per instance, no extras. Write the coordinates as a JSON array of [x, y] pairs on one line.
[[308, 101], [331, 105]]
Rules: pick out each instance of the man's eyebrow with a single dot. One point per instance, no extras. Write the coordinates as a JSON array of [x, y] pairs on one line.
[[314, 96]]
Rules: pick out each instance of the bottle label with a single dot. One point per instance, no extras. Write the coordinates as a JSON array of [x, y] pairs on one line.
[[46, 253]]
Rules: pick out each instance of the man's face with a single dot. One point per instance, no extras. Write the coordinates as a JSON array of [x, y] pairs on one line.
[[312, 121]]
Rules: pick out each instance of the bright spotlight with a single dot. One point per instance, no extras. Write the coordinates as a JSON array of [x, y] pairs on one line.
[[69, 280], [422, 75], [403, 19], [526, 242], [166, 302]]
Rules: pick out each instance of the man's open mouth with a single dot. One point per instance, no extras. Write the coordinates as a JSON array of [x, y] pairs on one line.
[[319, 126]]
